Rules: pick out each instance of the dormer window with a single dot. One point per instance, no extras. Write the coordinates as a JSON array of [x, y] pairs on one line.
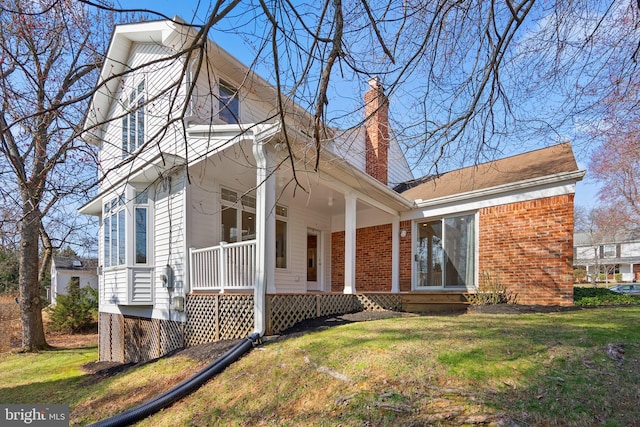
[[133, 121], [229, 104]]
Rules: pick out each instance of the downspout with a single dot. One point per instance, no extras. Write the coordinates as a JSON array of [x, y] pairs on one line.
[[187, 231], [265, 225]]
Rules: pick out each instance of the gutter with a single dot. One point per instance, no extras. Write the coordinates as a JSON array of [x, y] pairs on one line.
[[520, 185]]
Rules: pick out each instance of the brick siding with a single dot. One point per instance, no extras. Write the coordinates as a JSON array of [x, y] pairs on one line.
[[529, 247], [373, 259]]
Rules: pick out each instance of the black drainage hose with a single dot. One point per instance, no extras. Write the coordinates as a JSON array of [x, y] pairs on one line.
[[186, 387]]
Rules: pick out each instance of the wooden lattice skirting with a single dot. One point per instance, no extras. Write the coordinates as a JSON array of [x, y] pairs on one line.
[[222, 316], [218, 317], [136, 339]]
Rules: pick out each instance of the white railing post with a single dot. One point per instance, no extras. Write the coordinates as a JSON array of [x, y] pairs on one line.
[[228, 265], [223, 267], [191, 269]]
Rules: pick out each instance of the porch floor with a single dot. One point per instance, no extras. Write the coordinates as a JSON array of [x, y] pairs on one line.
[[434, 302]]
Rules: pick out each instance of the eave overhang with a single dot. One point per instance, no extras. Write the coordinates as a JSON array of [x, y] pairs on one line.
[[147, 173], [549, 180]]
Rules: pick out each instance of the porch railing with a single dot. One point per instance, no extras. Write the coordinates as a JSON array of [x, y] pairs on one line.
[[228, 266]]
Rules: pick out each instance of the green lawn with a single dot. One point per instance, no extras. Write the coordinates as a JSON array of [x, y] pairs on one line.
[[530, 369]]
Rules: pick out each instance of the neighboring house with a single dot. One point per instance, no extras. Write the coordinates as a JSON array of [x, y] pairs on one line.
[[204, 235], [616, 256], [65, 269]]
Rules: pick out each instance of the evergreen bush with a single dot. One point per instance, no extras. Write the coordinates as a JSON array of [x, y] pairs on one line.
[[77, 311]]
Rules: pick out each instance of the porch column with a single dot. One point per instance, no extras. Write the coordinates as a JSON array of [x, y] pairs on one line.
[[395, 254], [350, 243], [265, 232]]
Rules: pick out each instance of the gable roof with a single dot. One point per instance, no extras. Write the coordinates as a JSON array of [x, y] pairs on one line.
[[557, 160], [79, 264]]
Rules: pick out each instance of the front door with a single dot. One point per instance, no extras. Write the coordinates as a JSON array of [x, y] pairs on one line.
[[313, 252]]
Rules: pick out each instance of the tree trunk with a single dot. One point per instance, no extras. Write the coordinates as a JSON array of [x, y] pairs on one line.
[[30, 303]]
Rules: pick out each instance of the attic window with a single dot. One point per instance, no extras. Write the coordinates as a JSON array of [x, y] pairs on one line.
[[133, 121], [229, 104]]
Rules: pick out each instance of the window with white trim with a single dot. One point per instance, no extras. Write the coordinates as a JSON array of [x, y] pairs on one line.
[[114, 231], [608, 251], [238, 216], [281, 236], [238, 222], [445, 252], [133, 122], [141, 212], [229, 105]]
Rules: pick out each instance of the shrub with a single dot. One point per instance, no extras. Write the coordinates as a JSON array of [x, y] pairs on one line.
[[491, 291], [579, 275], [600, 296], [77, 311]]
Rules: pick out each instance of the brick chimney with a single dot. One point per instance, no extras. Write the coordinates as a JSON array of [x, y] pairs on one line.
[[376, 108]]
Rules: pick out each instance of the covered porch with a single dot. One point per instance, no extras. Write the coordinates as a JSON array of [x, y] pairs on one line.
[[264, 220]]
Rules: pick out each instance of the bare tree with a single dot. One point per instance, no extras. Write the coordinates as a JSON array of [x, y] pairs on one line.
[[49, 54], [468, 75], [602, 226], [615, 163]]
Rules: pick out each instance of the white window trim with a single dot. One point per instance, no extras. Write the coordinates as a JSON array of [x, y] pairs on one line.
[[127, 112], [414, 242], [223, 83], [284, 219], [129, 194], [240, 207]]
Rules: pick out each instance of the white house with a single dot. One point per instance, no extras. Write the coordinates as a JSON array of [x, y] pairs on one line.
[[617, 256], [66, 269], [205, 234]]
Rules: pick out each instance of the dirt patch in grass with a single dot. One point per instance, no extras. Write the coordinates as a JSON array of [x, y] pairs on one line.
[[520, 308], [59, 340]]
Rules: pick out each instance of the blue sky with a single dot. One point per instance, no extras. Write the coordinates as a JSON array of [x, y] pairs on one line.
[[585, 192]]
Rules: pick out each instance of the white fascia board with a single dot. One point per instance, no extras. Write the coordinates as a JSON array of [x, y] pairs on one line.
[[115, 65], [505, 188], [221, 137], [553, 185]]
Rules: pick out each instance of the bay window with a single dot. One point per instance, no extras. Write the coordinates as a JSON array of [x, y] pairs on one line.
[[126, 222], [114, 230], [141, 210]]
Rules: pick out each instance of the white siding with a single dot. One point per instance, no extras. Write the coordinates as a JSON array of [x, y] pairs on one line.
[[114, 289], [169, 235], [631, 249], [204, 208], [399, 170], [585, 252], [204, 106], [351, 146], [61, 278], [158, 77]]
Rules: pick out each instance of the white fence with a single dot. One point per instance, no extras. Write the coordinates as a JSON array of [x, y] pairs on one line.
[[228, 266]]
